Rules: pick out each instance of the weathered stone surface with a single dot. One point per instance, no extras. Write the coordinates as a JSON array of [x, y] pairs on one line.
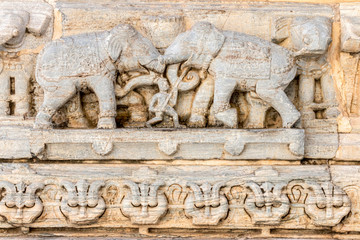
[[155, 197], [165, 144], [206, 111]]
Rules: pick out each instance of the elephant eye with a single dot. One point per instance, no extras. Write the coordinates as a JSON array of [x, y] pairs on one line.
[[307, 40], [15, 32]]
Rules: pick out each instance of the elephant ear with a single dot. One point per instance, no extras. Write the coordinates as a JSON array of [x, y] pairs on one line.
[[213, 40], [38, 23], [207, 40], [114, 47], [280, 29]]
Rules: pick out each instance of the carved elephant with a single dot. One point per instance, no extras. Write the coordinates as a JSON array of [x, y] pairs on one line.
[[17, 69], [92, 60], [234, 61], [14, 24]]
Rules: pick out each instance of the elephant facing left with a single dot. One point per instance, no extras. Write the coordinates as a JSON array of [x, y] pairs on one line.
[[92, 60]]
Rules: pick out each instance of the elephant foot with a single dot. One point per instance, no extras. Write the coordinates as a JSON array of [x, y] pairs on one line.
[[106, 123], [39, 124], [290, 119], [228, 118], [332, 112], [197, 121], [307, 114], [180, 126], [42, 121]]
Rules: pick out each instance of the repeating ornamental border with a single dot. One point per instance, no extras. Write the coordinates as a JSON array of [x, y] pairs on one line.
[[241, 198]]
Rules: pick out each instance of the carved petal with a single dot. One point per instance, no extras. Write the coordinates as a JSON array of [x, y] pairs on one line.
[[168, 147], [234, 147], [102, 147]]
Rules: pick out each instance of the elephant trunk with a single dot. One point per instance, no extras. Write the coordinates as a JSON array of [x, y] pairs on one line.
[[192, 77], [5, 37]]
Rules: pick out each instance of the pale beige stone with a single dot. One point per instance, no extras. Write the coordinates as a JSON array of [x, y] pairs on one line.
[[239, 96]]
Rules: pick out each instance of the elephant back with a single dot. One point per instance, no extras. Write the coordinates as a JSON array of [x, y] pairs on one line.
[[247, 56], [75, 56]]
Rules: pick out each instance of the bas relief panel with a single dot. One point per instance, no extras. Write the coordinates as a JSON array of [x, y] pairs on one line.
[[118, 83]]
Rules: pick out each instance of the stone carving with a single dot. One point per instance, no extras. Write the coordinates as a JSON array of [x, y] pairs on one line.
[[350, 34], [349, 58], [162, 30], [16, 69], [20, 203], [206, 205], [284, 144], [91, 61], [15, 23], [222, 76], [82, 203], [268, 198], [316, 100], [266, 202], [234, 60], [144, 205], [326, 204]]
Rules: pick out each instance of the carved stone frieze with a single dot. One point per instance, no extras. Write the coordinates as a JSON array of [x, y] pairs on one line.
[[20, 204], [326, 204], [205, 204], [240, 197], [179, 118], [212, 143], [82, 204], [267, 202]]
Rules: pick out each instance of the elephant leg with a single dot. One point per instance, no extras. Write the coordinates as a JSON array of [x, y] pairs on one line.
[[274, 94], [105, 92], [22, 93], [257, 112], [224, 89], [201, 103], [4, 94], [75, 113], [52, 102], [328, 91], [306, 96]]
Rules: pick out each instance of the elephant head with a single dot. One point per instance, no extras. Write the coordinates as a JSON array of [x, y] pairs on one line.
[[350, 34], [306, 36], [14, 23], [196, 48], [142, 48]]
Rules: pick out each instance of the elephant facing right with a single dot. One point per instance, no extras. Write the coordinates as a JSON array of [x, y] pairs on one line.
[[241, 62]]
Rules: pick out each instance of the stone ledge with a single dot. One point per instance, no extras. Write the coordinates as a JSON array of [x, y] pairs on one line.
[[92, 196]]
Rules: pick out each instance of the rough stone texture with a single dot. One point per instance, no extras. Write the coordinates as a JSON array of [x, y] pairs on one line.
[[179, 119]]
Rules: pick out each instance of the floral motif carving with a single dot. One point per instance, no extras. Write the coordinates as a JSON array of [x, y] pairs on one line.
[[144, 205], [326, 204], [206, 205], [82, 204], [21, 205], [266, 203]]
